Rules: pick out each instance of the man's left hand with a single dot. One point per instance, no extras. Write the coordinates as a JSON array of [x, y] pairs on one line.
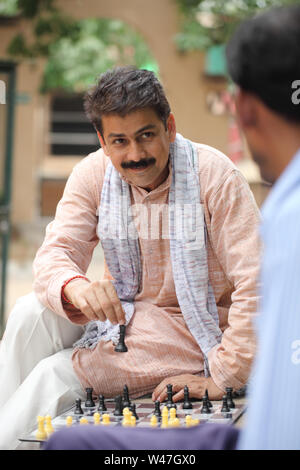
[[197, 386]]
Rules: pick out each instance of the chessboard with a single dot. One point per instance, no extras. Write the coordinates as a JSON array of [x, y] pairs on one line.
[[144, 409]]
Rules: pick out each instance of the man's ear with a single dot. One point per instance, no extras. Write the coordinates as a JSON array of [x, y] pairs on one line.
[[246, 108], [102, 143], [171, 127]]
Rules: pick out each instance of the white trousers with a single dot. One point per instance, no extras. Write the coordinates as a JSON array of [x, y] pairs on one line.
[[36, 372]]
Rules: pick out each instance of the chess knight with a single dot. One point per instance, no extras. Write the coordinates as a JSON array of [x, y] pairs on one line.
[[184, 288]]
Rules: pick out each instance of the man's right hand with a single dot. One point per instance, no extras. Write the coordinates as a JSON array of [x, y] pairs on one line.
[[97, 300]]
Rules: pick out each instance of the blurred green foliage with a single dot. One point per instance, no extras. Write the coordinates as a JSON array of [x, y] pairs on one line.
[[76, 51], [8, 7], [206, 23], [98, 44]]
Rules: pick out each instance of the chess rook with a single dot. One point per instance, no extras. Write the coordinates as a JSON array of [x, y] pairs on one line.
[[89, 398]]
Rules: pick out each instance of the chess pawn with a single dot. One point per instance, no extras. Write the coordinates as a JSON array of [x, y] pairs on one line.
[[164, 417], [153, 421], [127, 418], [97, 417], [172, 415], [205, 408], [225, 408], [83, 420], [69, 421], [78, 410], [101, 406], [41, 433], [175, 423], [157, 411], [48, 427], [188, 421], [164, 421], [106, 420], [230, 401]]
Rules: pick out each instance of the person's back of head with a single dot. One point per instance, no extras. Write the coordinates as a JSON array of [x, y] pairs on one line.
[[263, 60], [263, 57]]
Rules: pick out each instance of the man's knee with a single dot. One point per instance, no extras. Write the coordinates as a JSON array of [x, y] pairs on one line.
[[26, 312], [56, 373]]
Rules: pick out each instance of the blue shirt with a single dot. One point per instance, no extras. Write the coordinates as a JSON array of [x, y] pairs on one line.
[[273, 417]]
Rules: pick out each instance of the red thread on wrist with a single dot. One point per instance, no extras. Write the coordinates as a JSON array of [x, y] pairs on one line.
[[66, 300]]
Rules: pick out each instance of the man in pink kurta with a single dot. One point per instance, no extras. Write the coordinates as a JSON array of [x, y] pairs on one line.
[[161, 349]]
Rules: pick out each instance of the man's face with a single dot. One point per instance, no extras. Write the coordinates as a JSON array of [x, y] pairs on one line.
[[252, 117], [138, 146]]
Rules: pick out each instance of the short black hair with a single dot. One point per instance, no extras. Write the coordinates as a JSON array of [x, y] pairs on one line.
[[123, 90], [263, 57]]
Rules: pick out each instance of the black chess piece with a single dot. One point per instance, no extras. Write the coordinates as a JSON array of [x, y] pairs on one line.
[[225, 408], [121, 346], [229, 391], [170, 403], [133, 409], [205, 408], [89, 398], [78, 410], [209, 403], [187, 404], [118, 406], [101, 406], [126, 400], [157, 411]]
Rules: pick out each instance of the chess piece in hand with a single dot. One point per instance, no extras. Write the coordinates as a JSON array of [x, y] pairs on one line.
[[97, 300]]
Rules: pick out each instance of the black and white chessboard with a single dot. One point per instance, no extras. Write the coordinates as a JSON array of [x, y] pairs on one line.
[[145, 410]]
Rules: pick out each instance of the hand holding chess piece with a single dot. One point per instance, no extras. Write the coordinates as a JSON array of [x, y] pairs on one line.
[[97, 300]]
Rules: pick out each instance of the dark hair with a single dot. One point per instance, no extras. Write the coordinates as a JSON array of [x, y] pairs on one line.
[[263, 57], [123, 90]]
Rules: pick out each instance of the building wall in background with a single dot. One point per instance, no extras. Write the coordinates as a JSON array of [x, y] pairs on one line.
[[181, 74]]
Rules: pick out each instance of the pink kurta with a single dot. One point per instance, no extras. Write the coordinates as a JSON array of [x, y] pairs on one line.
[[158, 340]]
